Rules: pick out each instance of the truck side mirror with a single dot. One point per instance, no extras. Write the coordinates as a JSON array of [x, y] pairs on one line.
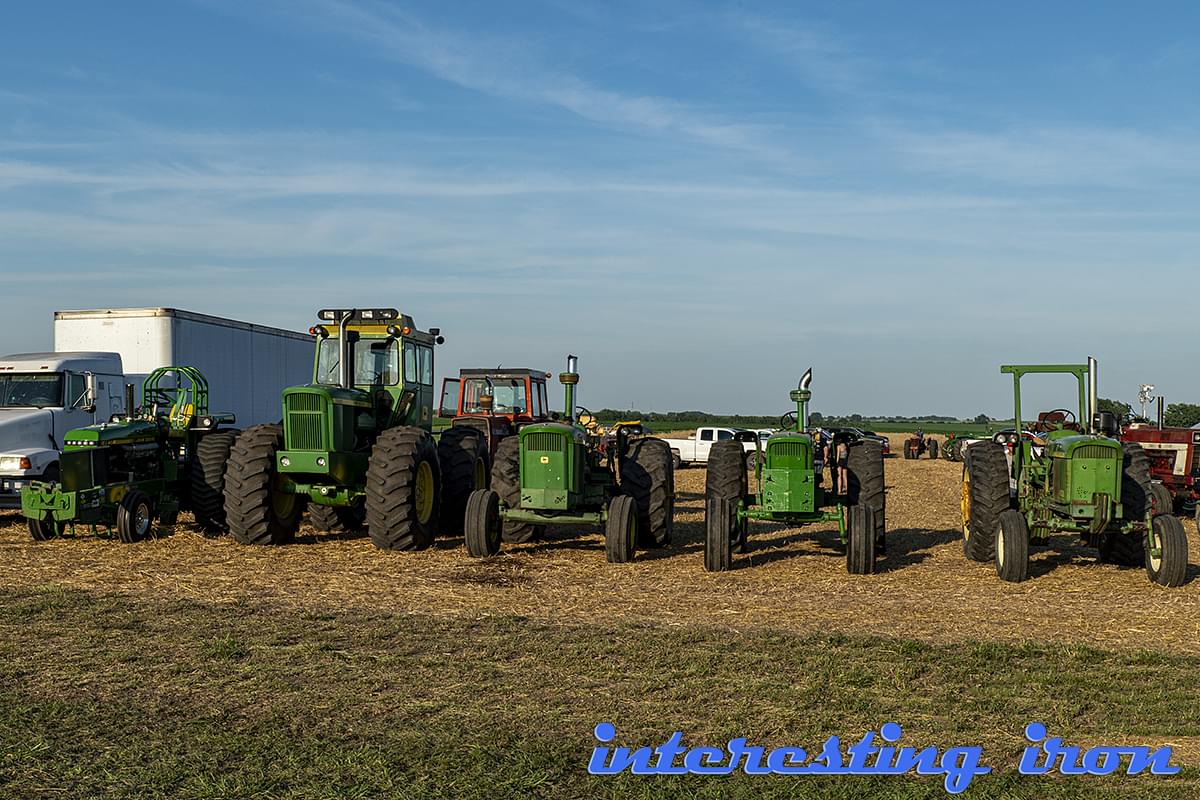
[[87, 402]]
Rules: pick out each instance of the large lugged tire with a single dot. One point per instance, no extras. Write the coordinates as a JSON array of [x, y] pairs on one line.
[[726, 478], [506, 481], [1163, 502], [864, 466], [1169, 568], [208, 479], [861, 544], [648, 477], [984, 497], [335, 519], [1136, 495], [256, 511], [1012, 546], [719, 524], [403, 490], [463, 454]]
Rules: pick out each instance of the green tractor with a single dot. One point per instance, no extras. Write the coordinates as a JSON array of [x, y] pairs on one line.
[[356, 445], [788, 488], [169, 455], [1060, 477], [564, 479]]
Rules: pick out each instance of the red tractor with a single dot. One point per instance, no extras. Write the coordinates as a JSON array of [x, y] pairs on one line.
[[1174, 462], [917, 446], [486, 408]]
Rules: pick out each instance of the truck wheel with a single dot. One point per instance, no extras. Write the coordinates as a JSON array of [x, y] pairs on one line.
[[336, 519], [481, 523], [933, 449], [45, 529], [647, 477], [865, 477], [751, 461], [1169, 568], [726, 478], [1012, 546], [1161, 499], [135, 517], [463, 454], [860, 549], [676, 461], [404, 484], [621, 531], [208, 479], [257, 511], [1136, 494], [720, 519], [506, 480], [984, 498]]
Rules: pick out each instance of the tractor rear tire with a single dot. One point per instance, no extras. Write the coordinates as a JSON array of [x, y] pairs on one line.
[[463, 454], [43, 530], [481, 523], [1161, 499], [506, 480], [719, 522], [1136, 494], [933, 449], [336, 519], [726, 478], [135, 517], [866, 488], [257, 512], [208, 479], [861, 544], [621, 530], [1012, 546], [647, 477], [984, 498], [404, 485], [1170, 568]]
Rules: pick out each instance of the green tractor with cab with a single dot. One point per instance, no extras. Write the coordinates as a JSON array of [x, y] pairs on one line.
[[356, 445], [563, 478], [1067, 474], [167, 456], [789, 488]]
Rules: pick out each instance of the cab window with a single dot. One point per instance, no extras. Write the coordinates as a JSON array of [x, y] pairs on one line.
[[376, 362], [538, 409], [426, 357], [76, 390], [706, 435], [724, 436]]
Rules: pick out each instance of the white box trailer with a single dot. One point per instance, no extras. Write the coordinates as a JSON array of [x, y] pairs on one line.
[[247, 365]]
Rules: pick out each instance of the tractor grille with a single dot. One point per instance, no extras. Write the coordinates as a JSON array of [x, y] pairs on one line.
[[306, 422], [1093, 451], [543, 442], [789, 449]]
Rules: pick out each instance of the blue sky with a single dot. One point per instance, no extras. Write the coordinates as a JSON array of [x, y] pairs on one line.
[[700, 200]]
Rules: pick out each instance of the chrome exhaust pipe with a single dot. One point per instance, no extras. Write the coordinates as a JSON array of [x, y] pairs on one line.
[[806, 380], [1093, 398]]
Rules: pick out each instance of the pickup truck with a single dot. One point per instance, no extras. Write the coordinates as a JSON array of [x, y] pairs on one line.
[[694, 449]]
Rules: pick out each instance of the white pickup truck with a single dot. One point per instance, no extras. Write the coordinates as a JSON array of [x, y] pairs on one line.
[[694, 449]]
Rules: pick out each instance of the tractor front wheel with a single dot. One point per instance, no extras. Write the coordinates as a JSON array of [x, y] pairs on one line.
[[1012, 546], [720, 519], [860, 550], [135, 517], [256, 508], [404, 490], [1169, 567], [621, 531], [45, 529], [463, 454], [481, 523], [208, 479]]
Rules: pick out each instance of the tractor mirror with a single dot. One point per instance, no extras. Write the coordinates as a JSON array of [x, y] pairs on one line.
[[1105, 423]]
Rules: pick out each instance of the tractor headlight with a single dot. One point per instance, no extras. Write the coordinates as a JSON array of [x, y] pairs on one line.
[[285, 461], [320, 461]]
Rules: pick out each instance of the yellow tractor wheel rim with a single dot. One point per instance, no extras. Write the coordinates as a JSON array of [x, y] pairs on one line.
[[480, 474], [423, 492], [966, 504]]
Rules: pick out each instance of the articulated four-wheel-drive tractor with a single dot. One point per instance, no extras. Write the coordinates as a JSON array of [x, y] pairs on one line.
[[789, 489], [356, 444], [167, 456], [1066, 478], [562, 479]]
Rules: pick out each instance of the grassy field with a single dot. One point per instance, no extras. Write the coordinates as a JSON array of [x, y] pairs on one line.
[[113, 696]]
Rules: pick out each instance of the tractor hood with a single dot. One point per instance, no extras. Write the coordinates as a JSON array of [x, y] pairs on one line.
[[557, 428], [25, 429], [1083, 446], [128, 432], [338, 395]]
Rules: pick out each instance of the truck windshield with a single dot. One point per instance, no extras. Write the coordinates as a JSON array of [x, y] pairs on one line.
[[509, 394], [31, 390], [376, 362]]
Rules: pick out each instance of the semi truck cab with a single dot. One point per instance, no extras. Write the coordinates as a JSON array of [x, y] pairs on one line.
[[42, 396]]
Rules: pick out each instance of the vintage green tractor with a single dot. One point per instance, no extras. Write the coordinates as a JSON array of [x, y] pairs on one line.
[[1065, 478], [356, 445], [167, 456], [789, 489], [564, 480]]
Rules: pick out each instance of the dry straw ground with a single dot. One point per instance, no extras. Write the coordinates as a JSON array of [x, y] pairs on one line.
[[792, 579]]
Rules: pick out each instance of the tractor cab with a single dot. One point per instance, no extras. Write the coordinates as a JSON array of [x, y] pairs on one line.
[[497, 402]]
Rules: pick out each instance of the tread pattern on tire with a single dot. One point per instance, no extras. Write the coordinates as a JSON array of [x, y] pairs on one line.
[[248, 509], [1014, 529], [391, 505], [987, 466], [718, 533], [864, 467], [1129, 549], [619, 545], [648, 477], [207, 494], [860, 546], [506, 481], [1173, 541], [459, 447]]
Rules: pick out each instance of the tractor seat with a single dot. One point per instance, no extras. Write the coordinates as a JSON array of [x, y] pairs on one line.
[[181, 415]]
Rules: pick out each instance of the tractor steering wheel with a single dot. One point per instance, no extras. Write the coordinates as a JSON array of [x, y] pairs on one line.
[[1067, 414], [788, 421]]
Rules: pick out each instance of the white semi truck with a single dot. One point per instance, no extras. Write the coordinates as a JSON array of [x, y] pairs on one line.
[[44, 395]]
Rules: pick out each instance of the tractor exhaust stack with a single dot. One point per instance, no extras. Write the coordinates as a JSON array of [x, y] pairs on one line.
[[1161, 412], [800, 396], [1093, 400], [568, 379]]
